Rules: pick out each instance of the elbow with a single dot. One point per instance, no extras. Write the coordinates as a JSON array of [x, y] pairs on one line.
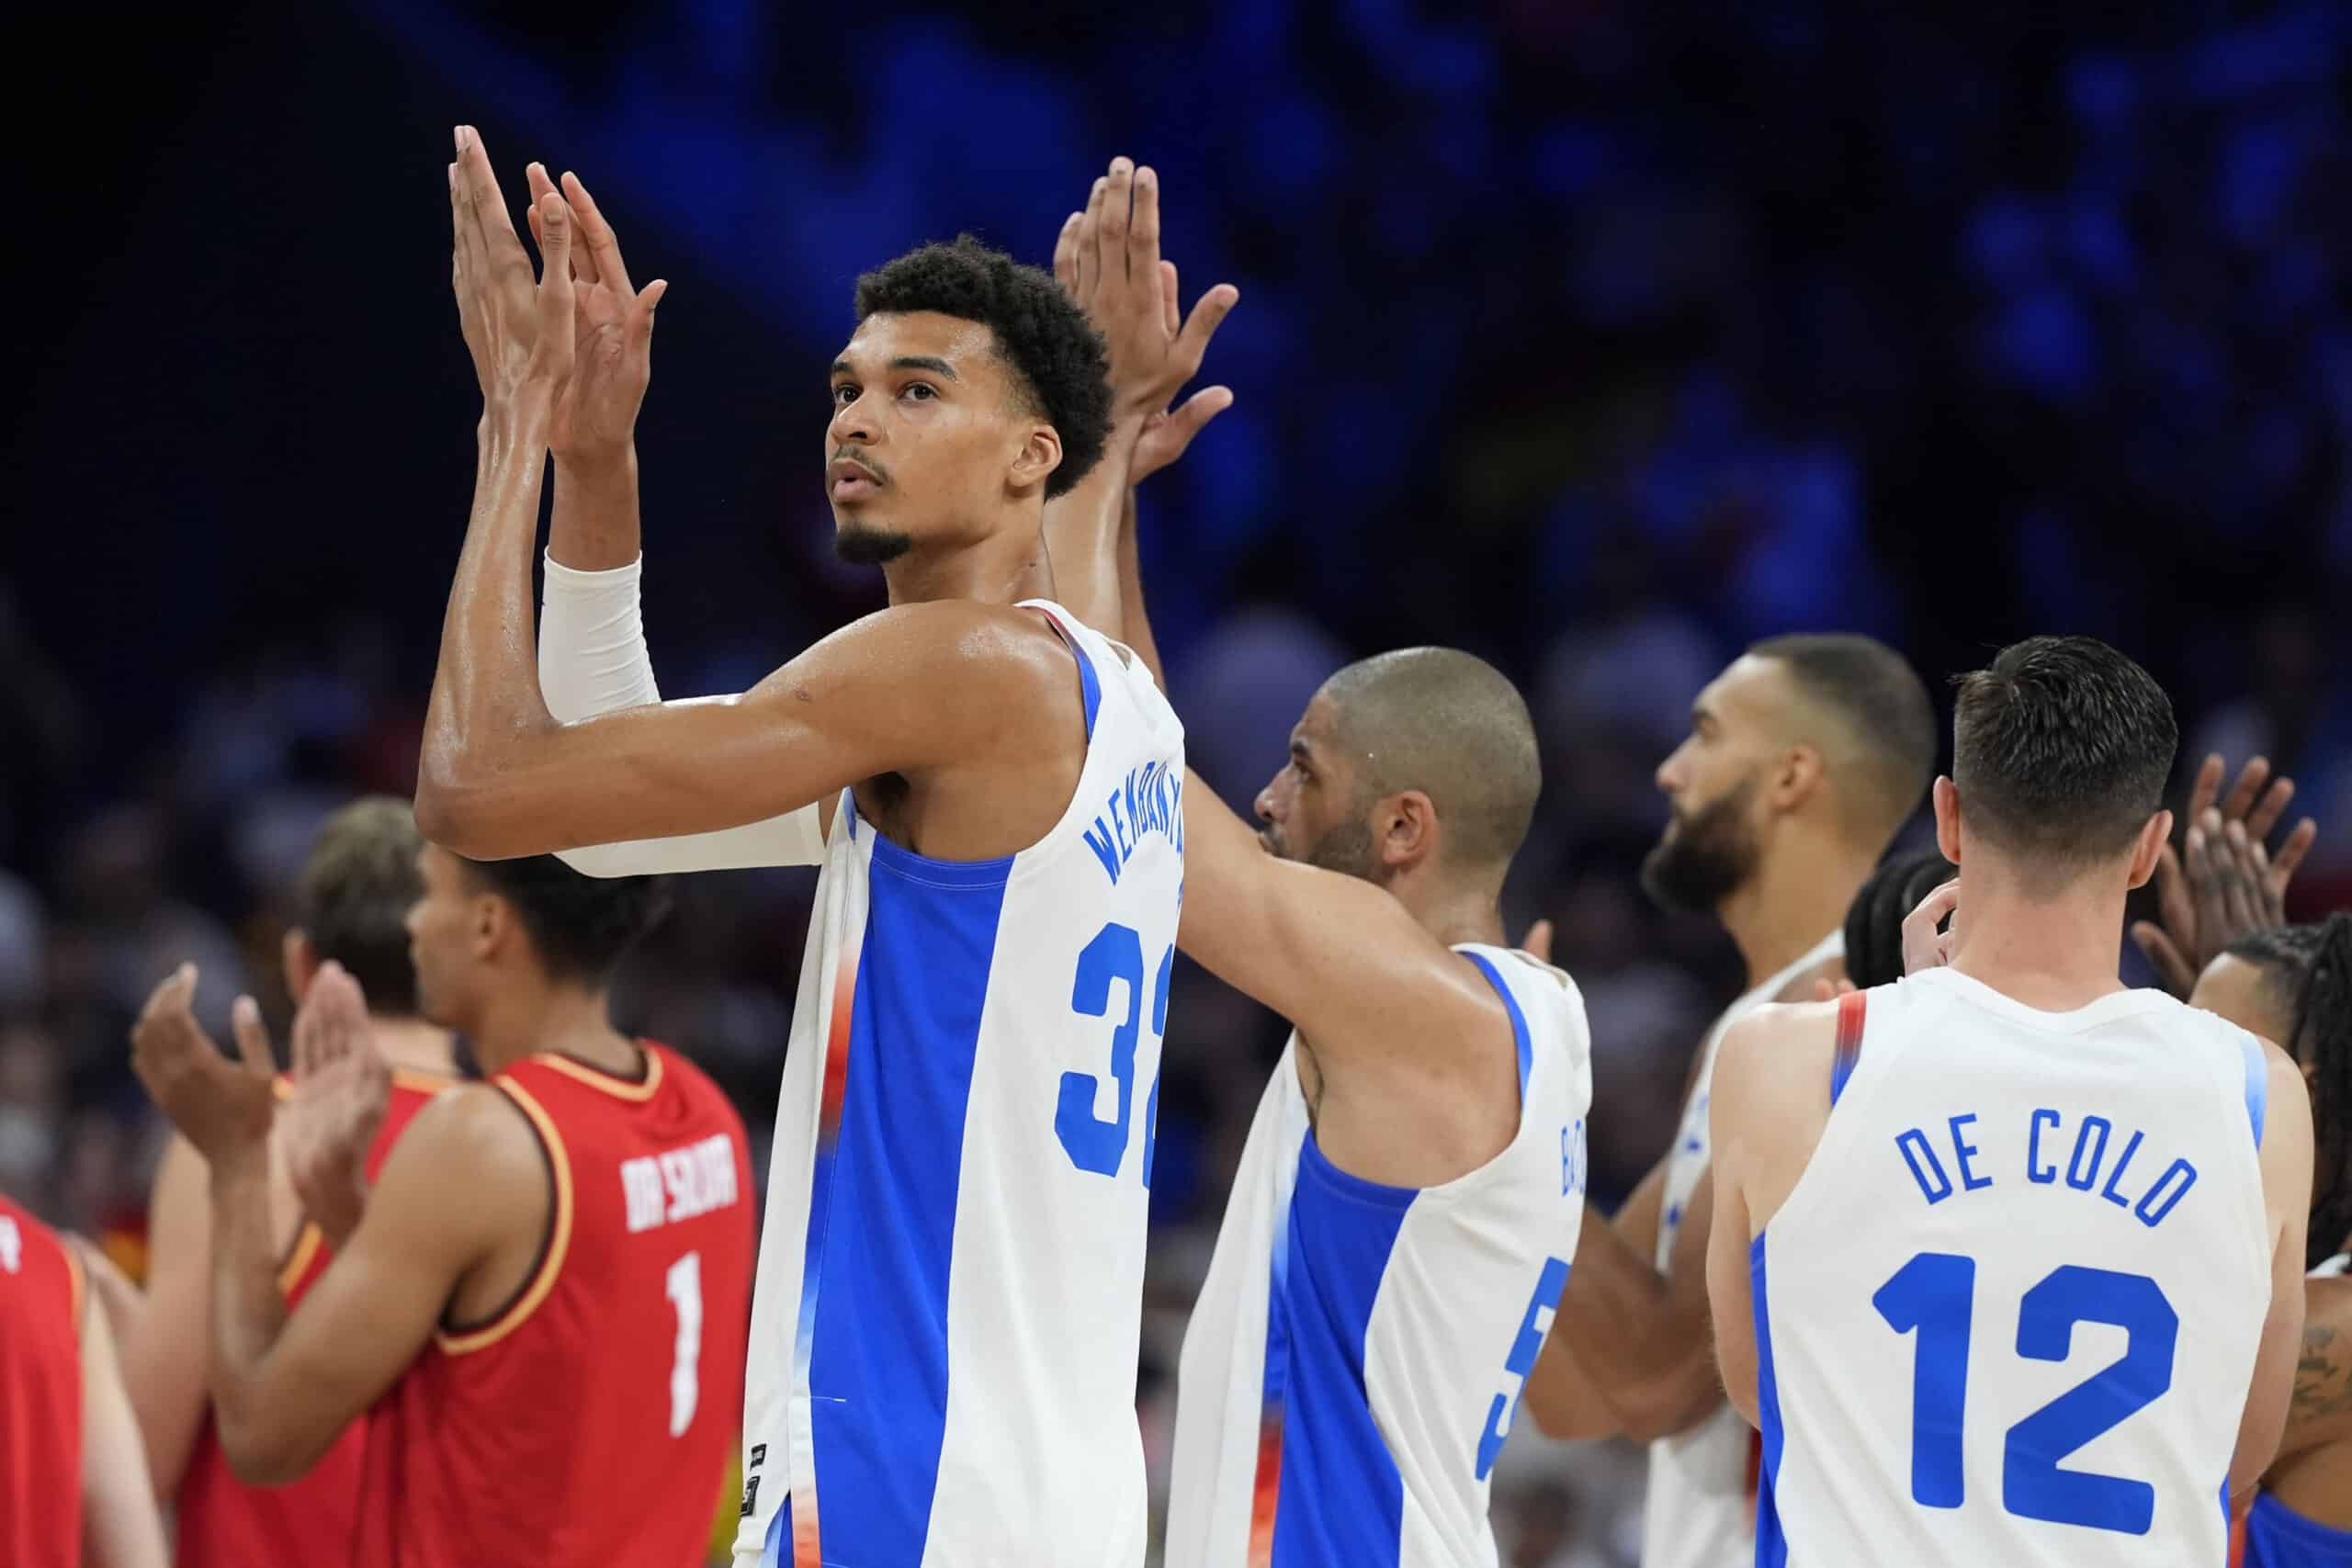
[[262, 1455], [450, 806]]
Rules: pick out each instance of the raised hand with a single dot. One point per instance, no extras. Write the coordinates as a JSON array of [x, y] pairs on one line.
[[1108, 259], [519, 332], [219, 1106], [1925, 947], [342, 1086], [2223, 883], [596, 413]]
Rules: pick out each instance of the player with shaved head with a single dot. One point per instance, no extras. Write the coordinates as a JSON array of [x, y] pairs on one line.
[[1805, 756]]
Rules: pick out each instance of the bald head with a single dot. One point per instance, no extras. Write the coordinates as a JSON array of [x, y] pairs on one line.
[[1449, 725], [1866, 709]]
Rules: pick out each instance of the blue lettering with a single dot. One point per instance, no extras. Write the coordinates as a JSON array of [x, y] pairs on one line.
[[1963, 1151], [2077, 1178], [1103, 851], [1119, 825], [2034, 1169], [1176, 813], [1135, 808], [1914, 1138], [2108, 1191], [2188, 1174]]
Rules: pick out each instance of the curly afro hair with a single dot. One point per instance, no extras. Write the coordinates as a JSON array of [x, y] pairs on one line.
[[1058, 358], [580, 926]]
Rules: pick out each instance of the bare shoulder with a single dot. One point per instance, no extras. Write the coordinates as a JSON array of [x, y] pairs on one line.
[[470, 1136], [1761, 1043]]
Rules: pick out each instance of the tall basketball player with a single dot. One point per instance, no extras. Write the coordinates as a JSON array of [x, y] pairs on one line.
[[73, 1486], [2015, 1139], [2293, 984], [352, 899], [546, 1288], [1805, 756], [945, 1334]]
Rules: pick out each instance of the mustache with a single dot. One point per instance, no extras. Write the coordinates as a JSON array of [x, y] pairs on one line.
[[851, 454]]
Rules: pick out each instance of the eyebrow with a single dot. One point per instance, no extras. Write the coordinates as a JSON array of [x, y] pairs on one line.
[[907, 362]]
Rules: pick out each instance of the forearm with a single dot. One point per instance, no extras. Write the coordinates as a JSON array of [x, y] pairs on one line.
[[1136, 632], [594, 523], [1626, 1338], [1082, 538], [248, 1311], [485, 687]]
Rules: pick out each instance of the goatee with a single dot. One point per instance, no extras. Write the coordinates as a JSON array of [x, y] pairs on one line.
[[861, 545], [1707, 858]]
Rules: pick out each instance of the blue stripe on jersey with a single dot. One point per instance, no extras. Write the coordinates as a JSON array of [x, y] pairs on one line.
[[1089, 686], [2258, 1085], [1341, 1498], [1518, 1021], [878, 1373], [2278, 1536], [777, 1552], [1772, 1546]]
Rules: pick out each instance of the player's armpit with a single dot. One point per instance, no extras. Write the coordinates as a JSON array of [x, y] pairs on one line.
[[909, 688], [2286, 1190], [120, 1527], [2321, 1409], [1339, 958], [465, 1185]]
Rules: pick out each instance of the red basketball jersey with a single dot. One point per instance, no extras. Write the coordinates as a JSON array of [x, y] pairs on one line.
[[591, 1422], [224, 1523], [40, 1395]]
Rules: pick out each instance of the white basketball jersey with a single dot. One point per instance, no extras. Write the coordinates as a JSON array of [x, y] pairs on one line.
[[1356, 1356], [1700, 1511], [2010, 1310], [949, 1296]]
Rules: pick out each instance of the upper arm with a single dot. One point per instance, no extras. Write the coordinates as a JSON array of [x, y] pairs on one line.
[[164, 1370], [903, 690], [2286, 1189], [2322, 1409], [1730, 1288], [465, 1179], [796, 838], [1339, 958], [120, 1525]]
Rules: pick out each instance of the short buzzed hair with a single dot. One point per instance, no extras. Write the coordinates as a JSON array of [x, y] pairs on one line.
[[2061, 750], [354, 893], [1881, 706], [1452, 726]]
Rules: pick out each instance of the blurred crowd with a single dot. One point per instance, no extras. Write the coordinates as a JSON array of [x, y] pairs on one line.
[[1600, 338]]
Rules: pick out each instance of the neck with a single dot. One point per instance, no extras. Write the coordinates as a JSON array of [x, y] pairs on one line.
[[1453, 913], [2055, 954], [523, 1017], [1802, 887], [1001, 568], [416, 1045]]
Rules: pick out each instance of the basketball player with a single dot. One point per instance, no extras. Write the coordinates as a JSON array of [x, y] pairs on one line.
[[946, 1329], [1805, 756], [73, 1486], [1406, 1205], [2294, 984], [546, 1287], [351, 900], [2014, 1139]]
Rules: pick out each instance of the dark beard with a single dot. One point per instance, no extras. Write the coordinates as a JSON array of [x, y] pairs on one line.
[[1709, 857], [861, 545], [1346, 849]]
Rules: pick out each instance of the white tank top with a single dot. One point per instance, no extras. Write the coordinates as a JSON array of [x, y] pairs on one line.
[[950, 1284], [1700, 1510], [1357, 1353], [2009, 1313]]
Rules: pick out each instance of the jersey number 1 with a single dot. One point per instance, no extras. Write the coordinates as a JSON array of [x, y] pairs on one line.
[[1115, 953], [1935, 1294], [685, 1369]]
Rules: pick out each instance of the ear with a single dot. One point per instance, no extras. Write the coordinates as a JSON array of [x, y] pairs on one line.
[[1947, 803], [2154, 835], [1040, 454], [1799, 775], [1404, 829], [493, 923], [299, 961]]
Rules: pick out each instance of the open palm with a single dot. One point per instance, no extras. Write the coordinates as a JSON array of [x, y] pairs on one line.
[[595, 416]]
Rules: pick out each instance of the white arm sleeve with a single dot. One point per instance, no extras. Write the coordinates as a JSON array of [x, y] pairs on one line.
[[592, 661]]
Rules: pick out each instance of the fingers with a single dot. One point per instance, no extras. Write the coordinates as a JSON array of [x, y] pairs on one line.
[[2241, 795], [599, 252], [1208, 314], [1174, 321], [1923, 947], [2241, 880], [1066, 253], [553, 350], [1537, 943], [1143, 234], [252, 1038], [487, 202], [537, 174], [2170, 966], [2208, 787], [1090, 240], [636, 331], [2173, 900], [1118, 216], [2290, 855], [2273, 805]]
